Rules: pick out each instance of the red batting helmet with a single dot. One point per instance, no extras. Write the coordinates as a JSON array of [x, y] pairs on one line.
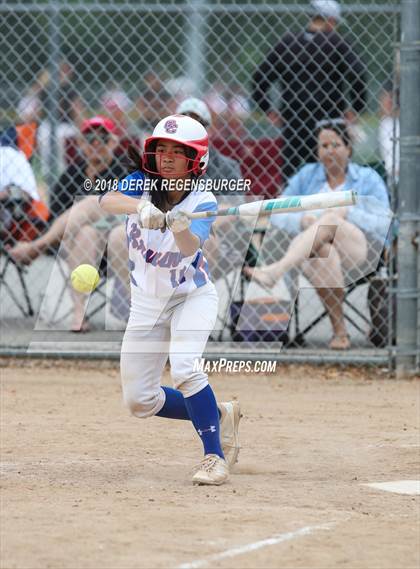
[[186, 131]]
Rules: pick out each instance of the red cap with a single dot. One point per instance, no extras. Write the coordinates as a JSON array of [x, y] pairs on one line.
[[98, 121]]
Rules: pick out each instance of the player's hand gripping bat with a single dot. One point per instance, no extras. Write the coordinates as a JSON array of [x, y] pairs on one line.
[[284, 205]]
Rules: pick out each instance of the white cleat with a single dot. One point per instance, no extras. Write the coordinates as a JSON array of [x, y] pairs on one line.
[[212, 470], [229, 427]]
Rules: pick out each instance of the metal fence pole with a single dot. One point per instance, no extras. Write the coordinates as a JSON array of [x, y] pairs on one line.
[[417, 244], [194, 50], [53, 91], [409, 202], [393, 187]]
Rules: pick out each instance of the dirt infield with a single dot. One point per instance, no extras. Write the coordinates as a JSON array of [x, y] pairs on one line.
[[87, 486]]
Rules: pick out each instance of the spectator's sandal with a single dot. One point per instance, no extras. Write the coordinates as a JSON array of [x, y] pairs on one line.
[[341, 342], [82, 328], [261, 276]]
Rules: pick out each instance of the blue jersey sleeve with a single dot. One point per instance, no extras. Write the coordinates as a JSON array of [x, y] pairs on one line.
[[132, 185], [201, 227]]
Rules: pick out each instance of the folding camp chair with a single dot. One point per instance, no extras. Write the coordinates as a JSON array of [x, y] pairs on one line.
[[26, 309], [350, 315], [26, 219], [26, 225], [274, 248]]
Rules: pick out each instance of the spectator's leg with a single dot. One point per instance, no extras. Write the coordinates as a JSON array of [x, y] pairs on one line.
[[351, 243], [303, 246], [68, 224], [348, 240], [325, 270], [87, 247]]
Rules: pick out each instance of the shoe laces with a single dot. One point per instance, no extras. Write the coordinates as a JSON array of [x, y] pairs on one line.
[[208, 463]]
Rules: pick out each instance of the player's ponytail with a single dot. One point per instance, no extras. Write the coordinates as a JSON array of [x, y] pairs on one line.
[[158, 194], [134, 160]]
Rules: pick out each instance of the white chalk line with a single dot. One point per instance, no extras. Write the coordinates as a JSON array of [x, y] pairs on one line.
[[274, 540], [394, 445], [410, 487]]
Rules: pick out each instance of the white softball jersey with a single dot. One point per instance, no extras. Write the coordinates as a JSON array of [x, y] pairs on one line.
[[157, 267]]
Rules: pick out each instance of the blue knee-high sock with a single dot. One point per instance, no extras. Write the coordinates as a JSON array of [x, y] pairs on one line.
[[202, 408], [174, 406]]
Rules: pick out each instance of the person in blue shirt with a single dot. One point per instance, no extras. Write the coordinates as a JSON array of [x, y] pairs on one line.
[[326, 243]]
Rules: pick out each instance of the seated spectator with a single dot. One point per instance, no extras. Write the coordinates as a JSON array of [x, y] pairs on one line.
[[97, 144], [83, 228], [21, 208], [326, 244]]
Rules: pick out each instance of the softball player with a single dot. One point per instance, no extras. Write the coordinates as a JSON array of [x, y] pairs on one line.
[[173, 301]]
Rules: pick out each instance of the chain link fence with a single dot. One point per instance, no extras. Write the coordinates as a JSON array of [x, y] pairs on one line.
[[285, 85]]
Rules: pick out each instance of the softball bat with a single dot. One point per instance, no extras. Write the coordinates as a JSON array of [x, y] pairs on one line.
[[284, 205]]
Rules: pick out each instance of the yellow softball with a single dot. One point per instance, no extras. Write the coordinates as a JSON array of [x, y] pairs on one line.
[[84, 278]]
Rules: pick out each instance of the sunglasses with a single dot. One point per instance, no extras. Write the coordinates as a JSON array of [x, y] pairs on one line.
[[330, 122], [92, 135]]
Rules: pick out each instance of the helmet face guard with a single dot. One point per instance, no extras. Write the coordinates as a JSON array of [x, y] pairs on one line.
[[153, 164], [152, 160], [185, 131]]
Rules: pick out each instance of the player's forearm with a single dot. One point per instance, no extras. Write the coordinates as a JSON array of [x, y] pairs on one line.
[[187, 242], [117, 203]]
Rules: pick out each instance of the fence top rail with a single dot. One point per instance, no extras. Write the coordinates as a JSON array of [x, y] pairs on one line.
[[197, 5]]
